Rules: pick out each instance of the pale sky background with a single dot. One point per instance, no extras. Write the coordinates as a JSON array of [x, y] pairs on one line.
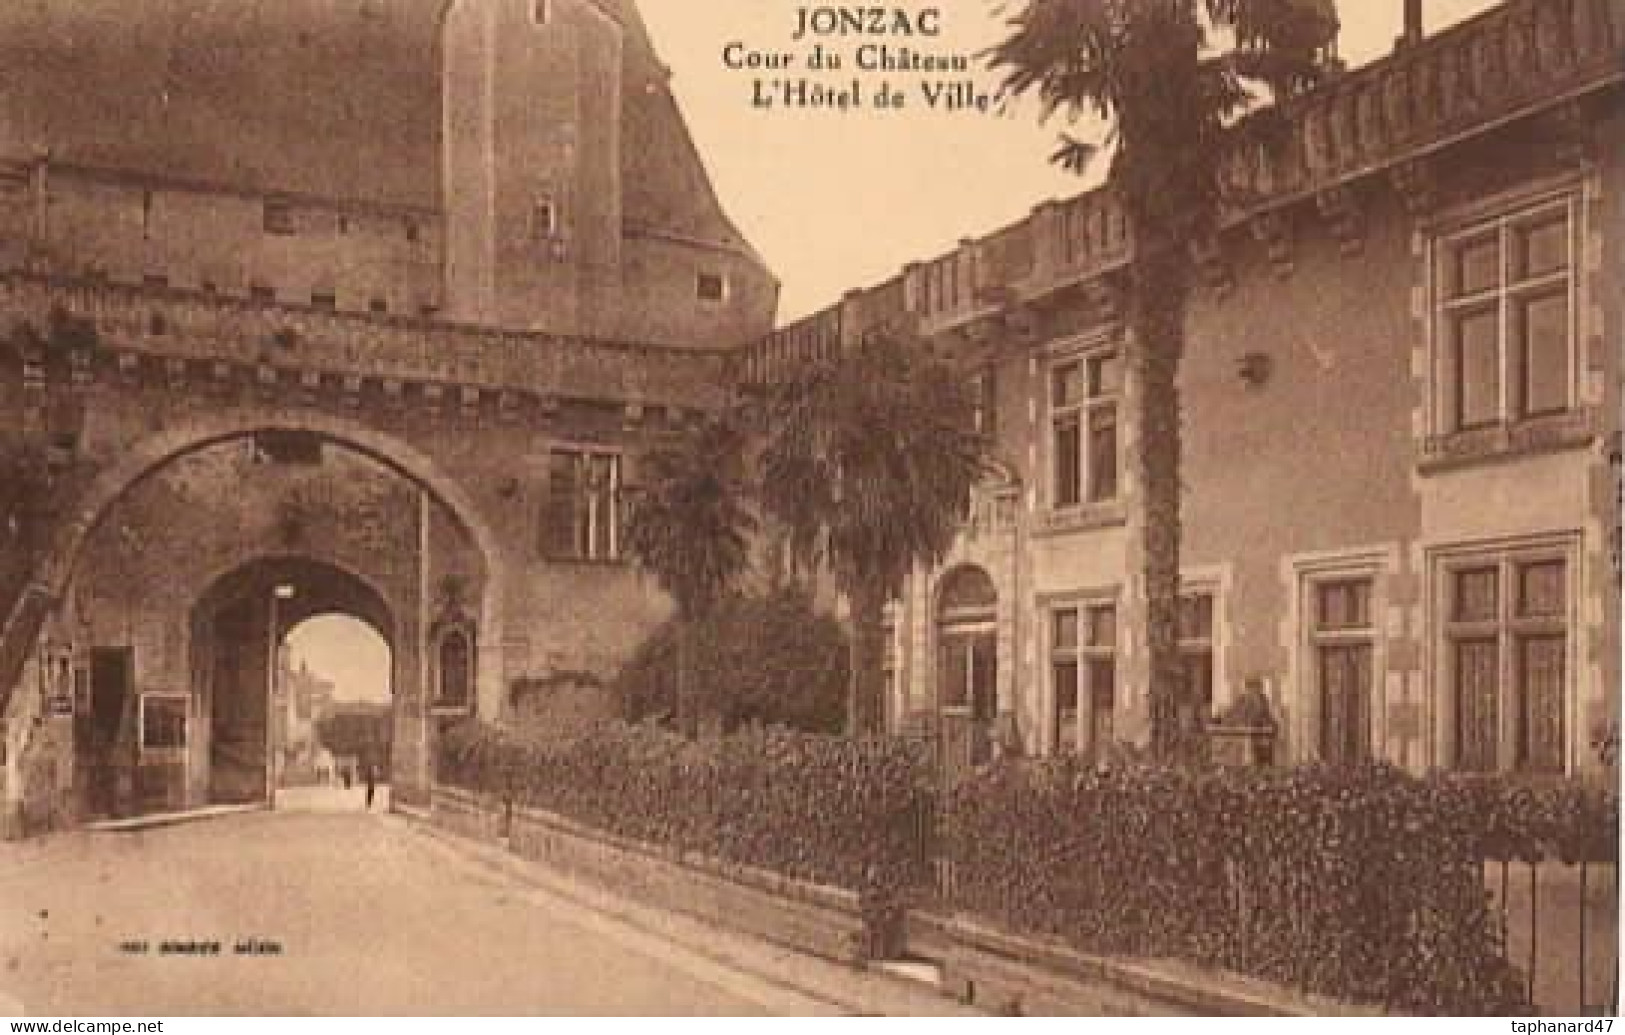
[[346, 651], [835, 201]]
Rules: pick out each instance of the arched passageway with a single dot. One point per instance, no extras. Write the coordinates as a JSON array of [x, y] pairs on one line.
[[183, 586], [259, 732]]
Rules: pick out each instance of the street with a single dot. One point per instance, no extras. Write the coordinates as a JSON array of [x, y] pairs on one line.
[[323, 909]]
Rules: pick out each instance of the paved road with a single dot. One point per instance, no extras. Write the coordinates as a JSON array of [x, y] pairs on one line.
[[371, 917]]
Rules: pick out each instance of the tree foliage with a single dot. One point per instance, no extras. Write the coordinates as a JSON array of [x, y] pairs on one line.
[[868, 467], [690, 526], [770, 659], [361, 731], [690, 522]]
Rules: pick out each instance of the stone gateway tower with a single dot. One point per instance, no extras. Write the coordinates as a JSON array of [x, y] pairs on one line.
[[366, 307], [573, 194]]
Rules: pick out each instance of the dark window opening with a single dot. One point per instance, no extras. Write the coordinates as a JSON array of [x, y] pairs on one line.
[[711, 287], [288, 447], [278, 218], [456, 670], [581, 518]]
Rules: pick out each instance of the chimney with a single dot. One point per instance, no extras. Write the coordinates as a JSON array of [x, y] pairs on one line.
[[1412, 34]]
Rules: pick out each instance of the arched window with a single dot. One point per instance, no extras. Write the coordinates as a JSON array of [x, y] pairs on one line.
[[456, 657], [967, 606]]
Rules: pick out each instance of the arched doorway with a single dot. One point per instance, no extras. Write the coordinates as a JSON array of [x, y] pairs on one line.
[[967, 665], [200, 434], [171, 594], [250, 741]]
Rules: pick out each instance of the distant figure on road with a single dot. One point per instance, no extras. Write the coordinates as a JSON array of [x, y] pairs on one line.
[[372, 782]]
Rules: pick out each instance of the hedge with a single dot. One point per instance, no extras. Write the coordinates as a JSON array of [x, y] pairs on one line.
[[1364, 884], [823, 809]]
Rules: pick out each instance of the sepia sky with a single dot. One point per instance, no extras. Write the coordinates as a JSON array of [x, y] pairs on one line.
[[837, 201]]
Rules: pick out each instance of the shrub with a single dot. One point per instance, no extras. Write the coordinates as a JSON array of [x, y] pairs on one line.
[[828, 810], [1364, 884], [771, 659]]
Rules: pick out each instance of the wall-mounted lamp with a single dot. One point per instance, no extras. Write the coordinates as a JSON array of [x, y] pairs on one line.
[[1254, 369]]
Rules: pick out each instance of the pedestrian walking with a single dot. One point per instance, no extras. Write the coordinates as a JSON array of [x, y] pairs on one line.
[[372, 782]]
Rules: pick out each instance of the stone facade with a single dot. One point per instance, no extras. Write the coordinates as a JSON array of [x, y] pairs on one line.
[[497, 163], [467, 251], [1339, 497]]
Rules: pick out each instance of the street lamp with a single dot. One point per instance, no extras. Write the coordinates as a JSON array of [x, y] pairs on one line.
[[279, 593]]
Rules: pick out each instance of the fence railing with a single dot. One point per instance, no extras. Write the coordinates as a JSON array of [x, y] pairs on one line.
[[1560, 928]]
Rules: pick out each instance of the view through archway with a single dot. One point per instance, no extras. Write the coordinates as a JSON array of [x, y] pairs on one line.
[[295, 574]]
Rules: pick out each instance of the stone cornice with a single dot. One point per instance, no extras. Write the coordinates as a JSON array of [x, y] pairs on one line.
[[190, 331], [1387, 118]]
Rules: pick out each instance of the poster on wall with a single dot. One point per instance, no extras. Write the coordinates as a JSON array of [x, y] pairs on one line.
[[714, 507]]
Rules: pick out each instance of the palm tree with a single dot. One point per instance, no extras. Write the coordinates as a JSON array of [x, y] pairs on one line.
[[690, 526], [868, 466], [1168, 77]]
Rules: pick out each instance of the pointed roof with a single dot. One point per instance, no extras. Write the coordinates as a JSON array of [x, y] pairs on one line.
[[338, 98]]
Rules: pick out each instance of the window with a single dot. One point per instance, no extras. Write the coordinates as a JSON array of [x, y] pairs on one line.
[[891, 662], [261, 293], [324, 300], [711, 287], [1196, 654], [1083, 673], [378, 305], [540, 11], [283, 446], [1505, 321], [412, 232], [984, 389], [967, 647], [456, 669], [1506, 655], [1342, 638], [582, 518], [544, 220], [163, 722], [278, 218], [1083, 428]]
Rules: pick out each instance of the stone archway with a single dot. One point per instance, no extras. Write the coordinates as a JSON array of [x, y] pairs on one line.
[[249, 719], [153, 452]]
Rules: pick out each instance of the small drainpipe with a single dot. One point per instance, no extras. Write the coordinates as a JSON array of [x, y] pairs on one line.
[[1412, 34]]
